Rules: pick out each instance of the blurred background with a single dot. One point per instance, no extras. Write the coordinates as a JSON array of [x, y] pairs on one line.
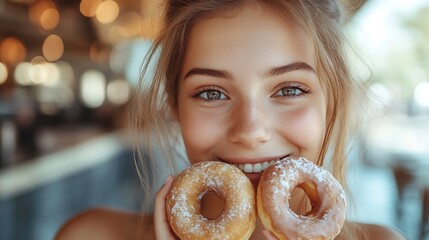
[[69, 67]]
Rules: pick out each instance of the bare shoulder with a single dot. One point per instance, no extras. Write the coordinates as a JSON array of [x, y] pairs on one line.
[[381, 232], [104, 223]]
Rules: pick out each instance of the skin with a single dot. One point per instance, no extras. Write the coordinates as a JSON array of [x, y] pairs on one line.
[[233, 107], [259, 115], [229, 92]]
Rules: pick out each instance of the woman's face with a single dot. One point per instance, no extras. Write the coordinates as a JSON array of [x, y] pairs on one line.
[[248, 92]]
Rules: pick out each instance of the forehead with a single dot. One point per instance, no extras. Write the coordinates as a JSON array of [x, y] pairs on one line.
[[245, 34]]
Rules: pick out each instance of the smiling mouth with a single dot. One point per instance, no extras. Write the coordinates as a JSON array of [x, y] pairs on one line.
[[254, 168]]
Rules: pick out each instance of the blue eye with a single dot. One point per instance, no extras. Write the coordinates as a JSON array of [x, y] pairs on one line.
[[211, 95], [291, 90]]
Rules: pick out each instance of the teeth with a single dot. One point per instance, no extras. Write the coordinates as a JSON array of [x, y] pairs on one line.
[[257, 167], [254, 168], [265, 165], [248, 168]]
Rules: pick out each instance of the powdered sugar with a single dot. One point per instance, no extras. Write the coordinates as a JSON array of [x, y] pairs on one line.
[[191, 185], [290, 173]]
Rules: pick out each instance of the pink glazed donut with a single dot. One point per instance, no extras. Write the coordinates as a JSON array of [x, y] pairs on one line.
[[328, 200]]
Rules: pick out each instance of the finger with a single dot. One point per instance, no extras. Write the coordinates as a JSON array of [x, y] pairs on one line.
[[268, 235], [162, 228]]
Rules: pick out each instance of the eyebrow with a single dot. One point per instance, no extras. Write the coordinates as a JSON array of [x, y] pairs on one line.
[[208, 72], [295, 66]]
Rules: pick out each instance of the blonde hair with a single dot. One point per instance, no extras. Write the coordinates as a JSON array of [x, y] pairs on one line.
[[155, 101]]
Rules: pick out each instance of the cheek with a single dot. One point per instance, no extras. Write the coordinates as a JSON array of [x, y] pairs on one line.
[[200, 133], [305, 128]]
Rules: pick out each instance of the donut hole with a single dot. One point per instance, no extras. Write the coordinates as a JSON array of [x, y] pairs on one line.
[[305, 200], [212, 205]]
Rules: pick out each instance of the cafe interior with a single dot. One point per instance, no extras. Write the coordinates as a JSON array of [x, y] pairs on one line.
[[68, 69]]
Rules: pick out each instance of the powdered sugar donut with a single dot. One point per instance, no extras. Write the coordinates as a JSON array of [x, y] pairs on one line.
[[237, 220], [326, 195]]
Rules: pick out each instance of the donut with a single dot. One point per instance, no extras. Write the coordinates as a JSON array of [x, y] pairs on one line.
[[183, 203], [327, 198]]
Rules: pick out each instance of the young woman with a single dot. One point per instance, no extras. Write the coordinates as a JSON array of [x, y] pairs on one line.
[[242, 82]]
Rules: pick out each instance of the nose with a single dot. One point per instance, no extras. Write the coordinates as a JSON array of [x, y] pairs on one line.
[[250, 126]]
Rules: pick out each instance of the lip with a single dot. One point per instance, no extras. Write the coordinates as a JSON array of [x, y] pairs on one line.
[[252, 160]]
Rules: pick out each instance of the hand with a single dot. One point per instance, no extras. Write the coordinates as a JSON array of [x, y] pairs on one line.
[[268, 235], [162, 228]]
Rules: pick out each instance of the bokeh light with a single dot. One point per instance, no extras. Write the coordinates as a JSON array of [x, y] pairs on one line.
[[107, 11], [53, 48], [93, 88], [421, 94], [49, 18], [53, 77], [38, 15], [118, 91], [22, 76], [45, 73], [88, 8], [38, 73], [3, 73], [38, 59], [12, 51], [66, 72]]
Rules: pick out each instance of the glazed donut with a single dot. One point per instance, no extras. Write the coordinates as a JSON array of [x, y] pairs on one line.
[[328, 200], [238, 218]]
